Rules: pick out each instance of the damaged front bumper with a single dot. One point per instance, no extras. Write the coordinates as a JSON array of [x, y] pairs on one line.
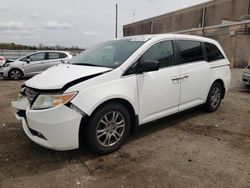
[[55, 128]]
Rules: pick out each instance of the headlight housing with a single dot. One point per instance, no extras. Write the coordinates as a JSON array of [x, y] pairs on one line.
[[7, 65], [50, 101]]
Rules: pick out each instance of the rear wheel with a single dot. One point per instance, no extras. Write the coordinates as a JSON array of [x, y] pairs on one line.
[[108, 128], [15, 74], [214, 97]]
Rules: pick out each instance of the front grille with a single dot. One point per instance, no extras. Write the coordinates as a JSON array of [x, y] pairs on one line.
[[31, 94]]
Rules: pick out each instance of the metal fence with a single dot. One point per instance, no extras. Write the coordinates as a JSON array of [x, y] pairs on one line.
[[15, 54]]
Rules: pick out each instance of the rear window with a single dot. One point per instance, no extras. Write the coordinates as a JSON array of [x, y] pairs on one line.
[[62, 55], [213, 53], [190, 51]]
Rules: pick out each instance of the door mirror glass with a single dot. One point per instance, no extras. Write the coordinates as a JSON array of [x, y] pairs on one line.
[[149, 66], [28, 60]]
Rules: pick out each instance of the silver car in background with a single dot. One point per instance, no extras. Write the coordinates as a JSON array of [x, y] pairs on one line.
[[33, 64], [246, 76]]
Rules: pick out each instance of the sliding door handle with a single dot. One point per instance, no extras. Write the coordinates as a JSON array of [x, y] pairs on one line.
[[176, 79]]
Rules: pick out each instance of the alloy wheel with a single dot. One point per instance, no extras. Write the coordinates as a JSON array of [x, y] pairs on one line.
[[215, 97], [110, 128], [15, 74]]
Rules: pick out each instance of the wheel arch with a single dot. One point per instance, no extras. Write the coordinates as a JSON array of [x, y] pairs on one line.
[[134, 121], [220, 81], [13, 68]]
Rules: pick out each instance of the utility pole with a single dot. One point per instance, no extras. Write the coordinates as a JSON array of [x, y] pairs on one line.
[[203, 23], [248, 7], [133, 16], [116, 19]]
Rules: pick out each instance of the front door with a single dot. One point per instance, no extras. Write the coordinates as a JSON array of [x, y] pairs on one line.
[[159, 91], [36, 64]]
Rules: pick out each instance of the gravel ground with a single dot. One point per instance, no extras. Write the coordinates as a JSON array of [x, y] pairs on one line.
[[191, 149]]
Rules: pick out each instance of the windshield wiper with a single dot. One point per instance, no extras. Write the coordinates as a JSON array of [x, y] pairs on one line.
[[86, 64]]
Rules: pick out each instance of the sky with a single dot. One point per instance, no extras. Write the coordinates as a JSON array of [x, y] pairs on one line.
[[82, 23]]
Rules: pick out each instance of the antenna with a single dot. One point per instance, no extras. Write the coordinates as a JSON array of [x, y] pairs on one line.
[[134, 16], [116, 19]]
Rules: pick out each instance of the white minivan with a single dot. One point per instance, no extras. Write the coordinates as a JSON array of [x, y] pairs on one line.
[[119, 85]]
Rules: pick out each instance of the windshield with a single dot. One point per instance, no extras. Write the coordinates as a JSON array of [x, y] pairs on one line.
[[109, 54]]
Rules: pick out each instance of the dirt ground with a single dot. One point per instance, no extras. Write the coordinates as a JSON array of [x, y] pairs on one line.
[[191, 149]]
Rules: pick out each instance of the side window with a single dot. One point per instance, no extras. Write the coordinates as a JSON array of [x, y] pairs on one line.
[[213, 53], [37, 57], [53, 55], [190, 51], [62, 55], [162, 52]]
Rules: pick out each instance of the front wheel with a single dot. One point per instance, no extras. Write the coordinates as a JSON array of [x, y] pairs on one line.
[[108, 128], [214, 97], [15, 74]]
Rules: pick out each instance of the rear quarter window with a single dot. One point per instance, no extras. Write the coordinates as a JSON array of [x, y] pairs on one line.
[[213, 53], [63, 55]]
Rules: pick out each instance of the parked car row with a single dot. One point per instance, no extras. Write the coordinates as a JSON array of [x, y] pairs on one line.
[[33, 64]]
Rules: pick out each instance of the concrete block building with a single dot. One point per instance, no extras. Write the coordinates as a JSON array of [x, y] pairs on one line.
[[227, 21]]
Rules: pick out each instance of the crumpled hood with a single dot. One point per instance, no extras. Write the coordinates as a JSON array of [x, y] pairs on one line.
[[59, 76]]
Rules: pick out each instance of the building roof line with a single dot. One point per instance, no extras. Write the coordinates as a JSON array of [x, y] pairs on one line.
[[171, 12]]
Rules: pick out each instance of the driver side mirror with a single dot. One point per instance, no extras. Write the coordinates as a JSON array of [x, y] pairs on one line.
[[28, 60], [149, 66]]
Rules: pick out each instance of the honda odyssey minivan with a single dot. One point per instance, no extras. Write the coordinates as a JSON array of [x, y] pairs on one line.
[[119, 85]]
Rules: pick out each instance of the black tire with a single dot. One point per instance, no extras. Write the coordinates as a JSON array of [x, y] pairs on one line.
[[15, 74], [114, 131], [214, 97]]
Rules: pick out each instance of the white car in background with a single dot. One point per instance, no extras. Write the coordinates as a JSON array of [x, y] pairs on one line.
[[2, 61], [33, 64], [119, 85]]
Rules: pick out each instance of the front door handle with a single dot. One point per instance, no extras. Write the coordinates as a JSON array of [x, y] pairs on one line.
[[176, 79]]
